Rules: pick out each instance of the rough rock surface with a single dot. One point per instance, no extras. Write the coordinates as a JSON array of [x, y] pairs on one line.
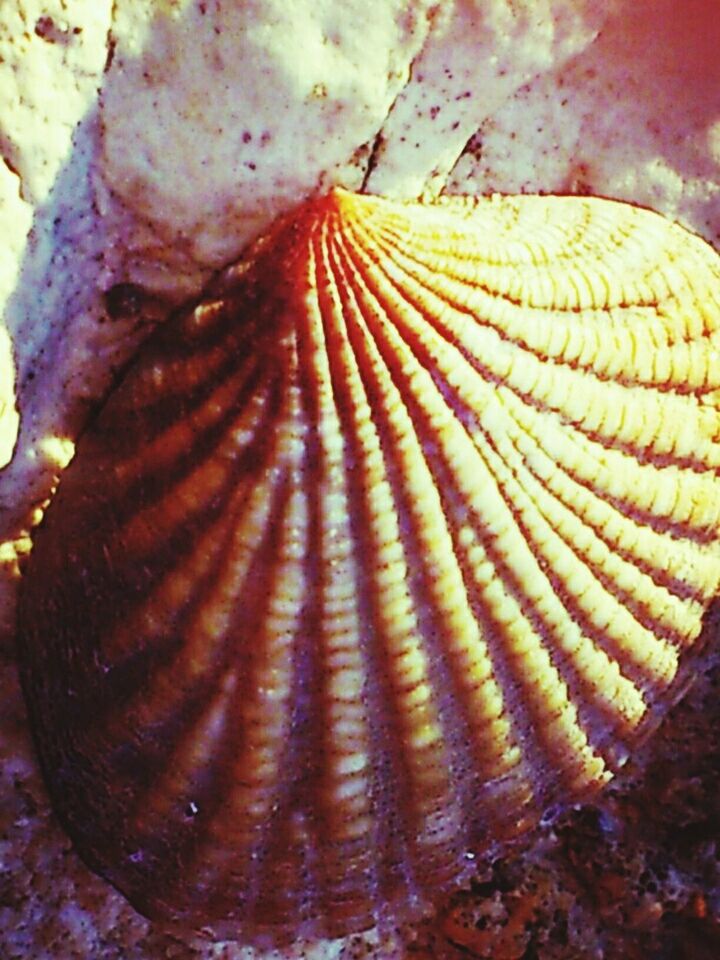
[[636, 117], [49, 66], [221, 107], [88, 206]]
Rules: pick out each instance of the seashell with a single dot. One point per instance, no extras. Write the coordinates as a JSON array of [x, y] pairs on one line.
[[405, 531]]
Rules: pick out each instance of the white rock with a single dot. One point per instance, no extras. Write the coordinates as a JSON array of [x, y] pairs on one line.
[[239, 110], [51, 60], [635, 117], [15, 220], [481, 51], [52, 56]]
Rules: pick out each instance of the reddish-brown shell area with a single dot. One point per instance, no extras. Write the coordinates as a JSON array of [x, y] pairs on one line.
[[406, 529]]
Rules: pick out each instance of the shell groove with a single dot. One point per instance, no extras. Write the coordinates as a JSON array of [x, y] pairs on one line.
[[401, 532]]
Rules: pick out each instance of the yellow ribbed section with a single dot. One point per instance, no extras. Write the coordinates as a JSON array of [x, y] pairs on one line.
[[341, 637], [397, 620]]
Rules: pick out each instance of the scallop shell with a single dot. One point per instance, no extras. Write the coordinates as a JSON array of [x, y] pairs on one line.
[[406, 530]]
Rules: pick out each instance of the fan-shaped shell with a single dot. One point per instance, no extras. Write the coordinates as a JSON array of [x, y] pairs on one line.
[[404, 530]]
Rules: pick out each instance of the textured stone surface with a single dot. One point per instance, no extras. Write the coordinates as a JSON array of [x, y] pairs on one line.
[[229, 127], [634, 117], [478, 55], [49, 69]]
